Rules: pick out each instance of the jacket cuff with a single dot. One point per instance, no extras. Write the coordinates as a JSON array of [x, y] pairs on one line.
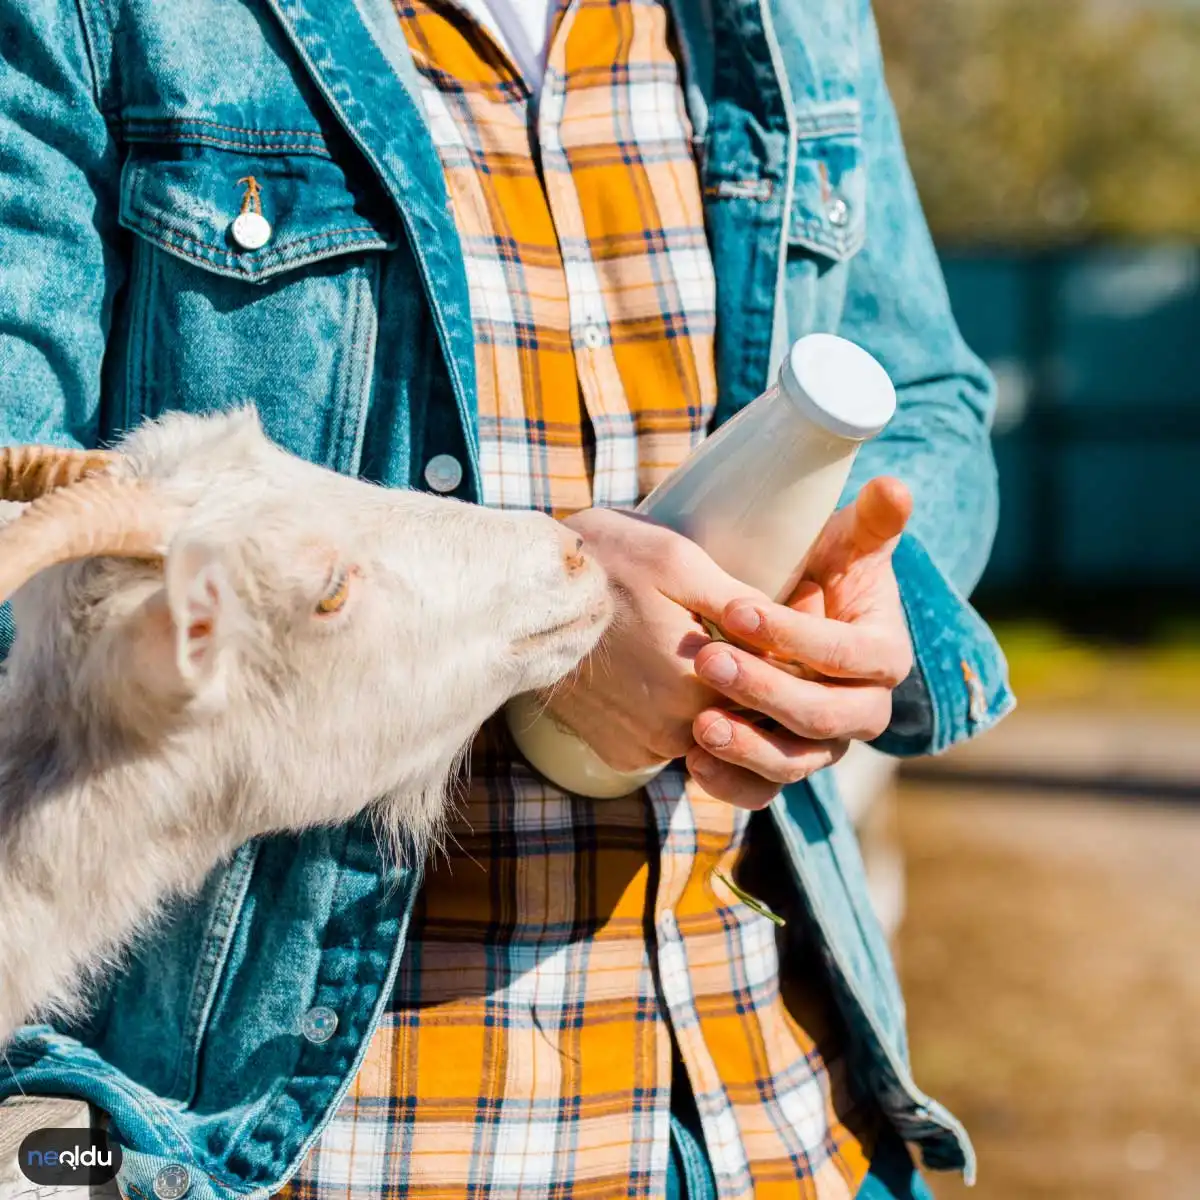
[[959, 683]]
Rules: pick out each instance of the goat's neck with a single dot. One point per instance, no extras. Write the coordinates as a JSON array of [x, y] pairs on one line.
[[86, 856]]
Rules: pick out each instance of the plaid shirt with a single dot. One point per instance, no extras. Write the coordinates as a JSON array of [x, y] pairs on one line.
[[561, 942]]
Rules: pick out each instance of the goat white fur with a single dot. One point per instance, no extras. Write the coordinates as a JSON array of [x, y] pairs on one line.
[[307, 646]]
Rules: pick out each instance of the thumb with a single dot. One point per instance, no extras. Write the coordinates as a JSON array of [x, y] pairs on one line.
[[808, 598], [881, 511]]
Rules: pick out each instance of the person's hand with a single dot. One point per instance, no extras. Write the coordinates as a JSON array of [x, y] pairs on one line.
[[641, 700], [634, 701], [853, 655]]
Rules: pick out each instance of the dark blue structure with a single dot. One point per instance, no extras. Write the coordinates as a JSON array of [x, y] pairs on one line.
[[1097, 352]]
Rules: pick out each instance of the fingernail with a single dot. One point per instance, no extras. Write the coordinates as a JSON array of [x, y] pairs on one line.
[[743, 620], [720, 669], [719, 733], [699, 765]]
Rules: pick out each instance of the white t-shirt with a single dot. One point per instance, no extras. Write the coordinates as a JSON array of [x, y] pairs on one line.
[[522, 27]]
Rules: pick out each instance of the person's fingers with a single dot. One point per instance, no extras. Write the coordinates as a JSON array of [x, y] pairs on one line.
[[774, 755], [809, 597], [733, 785], [881, 511], [824, 711], [839, 649]]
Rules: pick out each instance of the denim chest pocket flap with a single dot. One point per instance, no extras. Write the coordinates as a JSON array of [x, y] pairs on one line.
[[298, 206], [829, 201]]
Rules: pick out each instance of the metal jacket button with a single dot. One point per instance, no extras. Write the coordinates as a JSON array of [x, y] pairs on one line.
[[250, 230], [839, 212], [172, 1183], [319, 1025], [443, 472]]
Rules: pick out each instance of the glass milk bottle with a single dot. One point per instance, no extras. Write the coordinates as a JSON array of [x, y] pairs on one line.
[[755, 496]]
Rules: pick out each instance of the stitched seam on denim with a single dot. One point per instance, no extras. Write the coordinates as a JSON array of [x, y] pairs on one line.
[[832, 116], [698, 1174], [366, 363], [278, 257], [815, 130], [91, 53], [135, 336], [263, 147], [150, 400], [232, 271], [347, 403], [250, 131], [230, 902]]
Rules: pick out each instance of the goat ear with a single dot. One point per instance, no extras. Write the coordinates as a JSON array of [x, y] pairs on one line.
[[204, 611]]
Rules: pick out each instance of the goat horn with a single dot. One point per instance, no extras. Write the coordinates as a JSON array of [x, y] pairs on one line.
[[102, 516], [27, 472]]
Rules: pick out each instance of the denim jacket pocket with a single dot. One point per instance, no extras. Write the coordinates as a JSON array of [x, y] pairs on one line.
[[186, 198], [828, 215], [281, 310]]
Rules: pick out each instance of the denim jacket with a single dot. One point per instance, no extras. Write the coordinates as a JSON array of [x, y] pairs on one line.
[[125, 128]]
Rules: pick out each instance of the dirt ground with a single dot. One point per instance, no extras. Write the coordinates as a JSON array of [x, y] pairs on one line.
[[1051, 959]]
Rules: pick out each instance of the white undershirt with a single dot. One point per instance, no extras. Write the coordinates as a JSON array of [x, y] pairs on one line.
[[522, 28]]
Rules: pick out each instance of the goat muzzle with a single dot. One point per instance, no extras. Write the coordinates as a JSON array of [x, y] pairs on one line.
[[27, 472], [100, 516]]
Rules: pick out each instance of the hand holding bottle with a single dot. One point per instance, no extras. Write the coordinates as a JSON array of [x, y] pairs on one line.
[[751, 500], [638, 695], [648, 696], [855, 655]]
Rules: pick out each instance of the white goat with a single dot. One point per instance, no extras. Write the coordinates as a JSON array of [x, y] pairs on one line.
[[218, 640]]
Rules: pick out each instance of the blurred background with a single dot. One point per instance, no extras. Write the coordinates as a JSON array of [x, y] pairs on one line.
[[1045, 881]]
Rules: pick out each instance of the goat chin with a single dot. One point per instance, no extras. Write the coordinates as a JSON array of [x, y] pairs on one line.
[[309, 647]]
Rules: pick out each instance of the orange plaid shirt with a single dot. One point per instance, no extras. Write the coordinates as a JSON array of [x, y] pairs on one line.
[[562, 942]]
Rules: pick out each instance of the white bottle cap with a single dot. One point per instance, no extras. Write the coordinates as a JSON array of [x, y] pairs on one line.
[[838, 386]]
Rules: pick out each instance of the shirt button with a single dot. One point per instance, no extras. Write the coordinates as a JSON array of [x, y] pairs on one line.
[[443, 472], [593, 337], [172, 1182], [319, 1024], [838, 212], [250, 230]]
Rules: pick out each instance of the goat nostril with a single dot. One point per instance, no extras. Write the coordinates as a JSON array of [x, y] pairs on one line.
[[574, 558], [570, 545]]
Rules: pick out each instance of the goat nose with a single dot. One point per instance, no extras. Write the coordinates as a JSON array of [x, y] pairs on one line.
[[574, 558]]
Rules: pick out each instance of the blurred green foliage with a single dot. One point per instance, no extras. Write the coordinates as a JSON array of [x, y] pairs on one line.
[[1042, 122]]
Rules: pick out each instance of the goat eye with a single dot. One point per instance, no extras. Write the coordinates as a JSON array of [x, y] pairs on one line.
[[335, 599]]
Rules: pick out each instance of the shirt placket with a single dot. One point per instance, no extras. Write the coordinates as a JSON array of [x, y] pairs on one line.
[[615, 468], [676, 819]]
